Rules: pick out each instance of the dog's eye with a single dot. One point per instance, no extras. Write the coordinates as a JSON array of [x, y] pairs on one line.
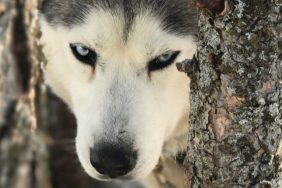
[[163, 61], [84, 54]]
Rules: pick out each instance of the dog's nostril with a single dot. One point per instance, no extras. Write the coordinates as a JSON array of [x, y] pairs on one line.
[[113, 160]]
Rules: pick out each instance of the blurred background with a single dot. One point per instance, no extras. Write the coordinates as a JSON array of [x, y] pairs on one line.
[[37, 130]]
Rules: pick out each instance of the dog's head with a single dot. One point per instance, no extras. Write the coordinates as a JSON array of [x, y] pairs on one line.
[[113, 63]]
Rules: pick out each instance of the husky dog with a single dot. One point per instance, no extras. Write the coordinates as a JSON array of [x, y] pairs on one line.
[[113, 63]]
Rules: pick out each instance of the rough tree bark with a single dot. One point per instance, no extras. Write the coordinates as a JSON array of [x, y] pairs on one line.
[[236, 96], [23, 153]]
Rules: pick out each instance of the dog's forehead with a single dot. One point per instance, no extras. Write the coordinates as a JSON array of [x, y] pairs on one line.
[[176, 16], [109, 36]]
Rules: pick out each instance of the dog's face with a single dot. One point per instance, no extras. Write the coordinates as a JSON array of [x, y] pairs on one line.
[[113, 63]]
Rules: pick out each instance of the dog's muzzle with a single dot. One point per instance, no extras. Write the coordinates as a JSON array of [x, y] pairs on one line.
[[113, 160]]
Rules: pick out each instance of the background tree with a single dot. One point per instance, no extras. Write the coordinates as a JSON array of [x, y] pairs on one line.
[[236, 96], [23, 154]]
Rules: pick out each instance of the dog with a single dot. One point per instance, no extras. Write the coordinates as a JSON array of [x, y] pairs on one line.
[[113, 63]]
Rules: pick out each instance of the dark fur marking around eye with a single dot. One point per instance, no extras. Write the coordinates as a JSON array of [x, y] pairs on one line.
[[90, 58], [157, 64]]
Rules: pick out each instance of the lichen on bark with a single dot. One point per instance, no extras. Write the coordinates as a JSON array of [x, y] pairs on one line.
[[236, 98]]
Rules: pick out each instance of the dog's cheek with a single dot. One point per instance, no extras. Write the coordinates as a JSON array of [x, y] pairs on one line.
[[147, 161], [149, 143]]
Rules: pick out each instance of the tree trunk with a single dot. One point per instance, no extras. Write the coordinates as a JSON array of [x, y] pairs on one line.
[[23, 153], [236, 96]]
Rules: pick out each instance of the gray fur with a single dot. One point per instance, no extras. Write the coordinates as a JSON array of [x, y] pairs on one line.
[[118, 111], [177, 16]]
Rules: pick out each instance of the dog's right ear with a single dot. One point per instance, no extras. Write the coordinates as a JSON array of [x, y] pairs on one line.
[[47, 5], [64, 12], [50, 9], [44, 5]]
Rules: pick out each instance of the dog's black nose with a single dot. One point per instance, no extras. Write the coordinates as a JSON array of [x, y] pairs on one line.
[[113, 160]]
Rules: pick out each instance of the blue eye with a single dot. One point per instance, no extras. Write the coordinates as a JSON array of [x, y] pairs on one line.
[[83, 54], [165, 57], [163, 61], [81, 50]]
